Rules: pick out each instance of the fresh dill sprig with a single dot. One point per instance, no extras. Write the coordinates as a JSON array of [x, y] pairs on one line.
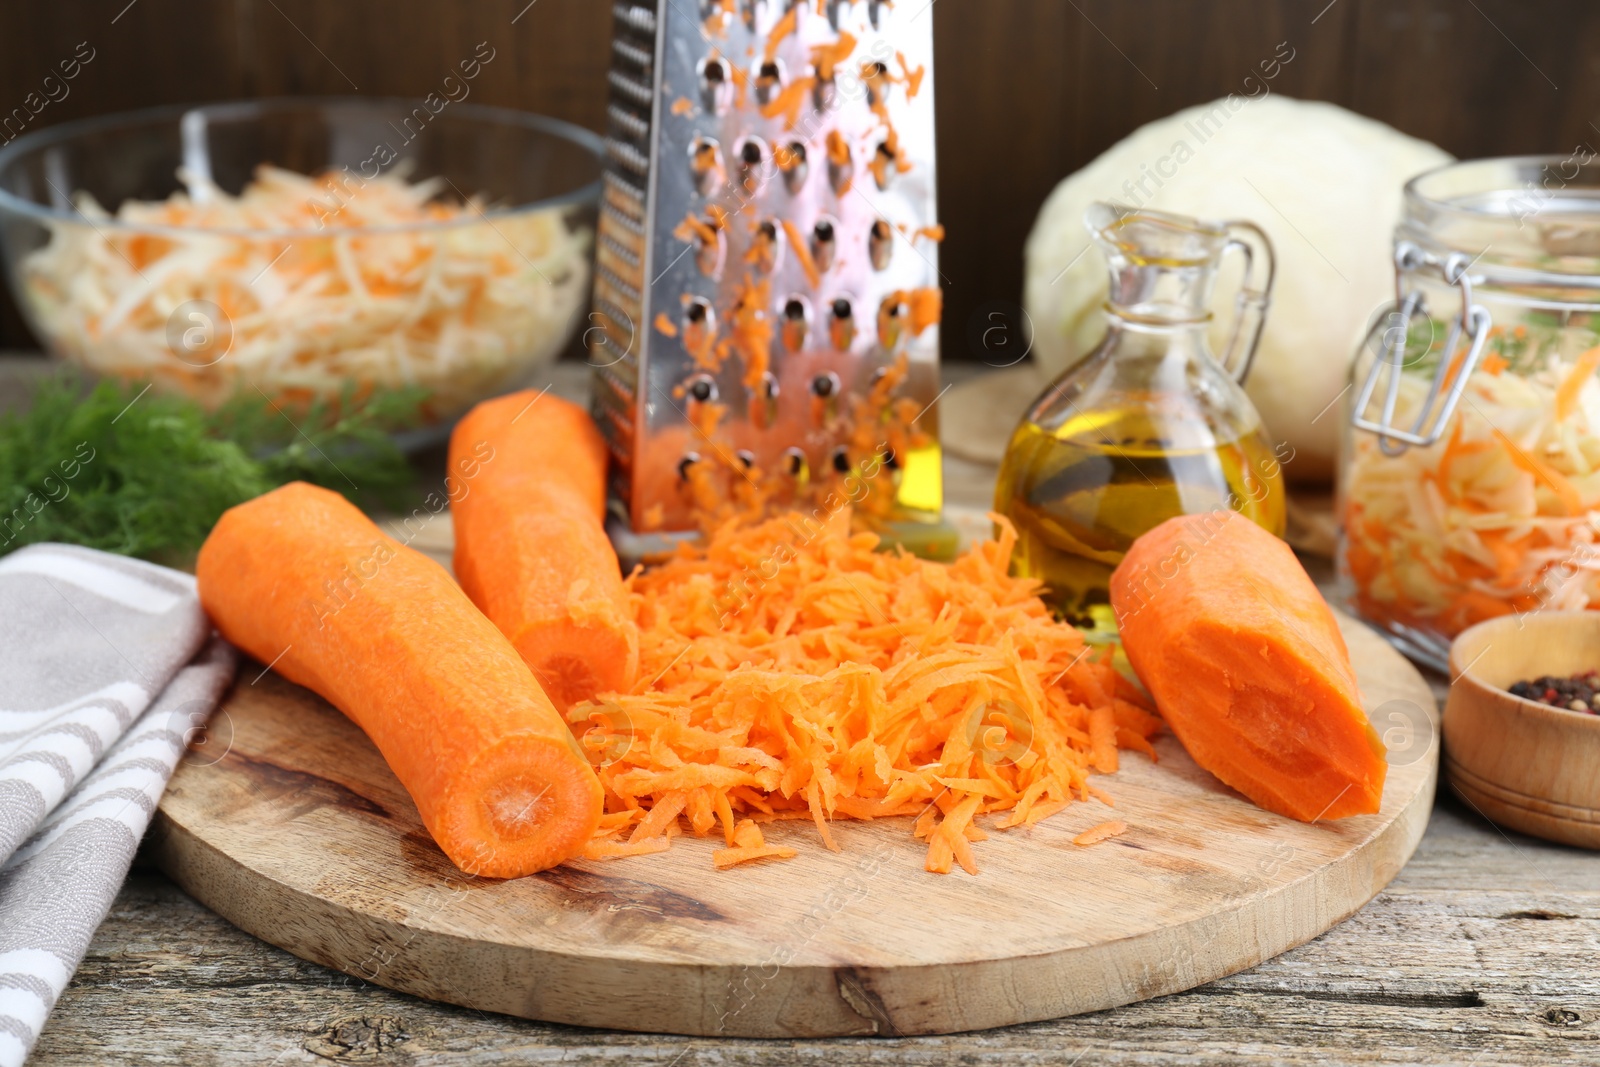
[[145, 474], [344, 445]]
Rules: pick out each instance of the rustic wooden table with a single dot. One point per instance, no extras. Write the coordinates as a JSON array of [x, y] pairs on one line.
[[1485, 949], [1482, 950]]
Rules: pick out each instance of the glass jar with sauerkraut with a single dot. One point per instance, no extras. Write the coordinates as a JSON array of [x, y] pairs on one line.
[[1469, 480], [307, 251]]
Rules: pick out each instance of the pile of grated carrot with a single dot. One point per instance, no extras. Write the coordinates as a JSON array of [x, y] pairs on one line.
[[790, 670]]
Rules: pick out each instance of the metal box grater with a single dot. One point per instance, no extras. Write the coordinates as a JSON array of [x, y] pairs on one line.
[[767, 284]]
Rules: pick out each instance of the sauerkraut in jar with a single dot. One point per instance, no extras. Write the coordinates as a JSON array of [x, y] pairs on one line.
[[1470, 472]]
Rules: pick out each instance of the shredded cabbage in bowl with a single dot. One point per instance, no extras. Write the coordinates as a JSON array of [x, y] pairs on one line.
[[1501, 515], [458, 310]]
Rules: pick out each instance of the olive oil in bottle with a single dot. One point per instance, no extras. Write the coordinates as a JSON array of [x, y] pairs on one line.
[[1150, 425], [1080, 494]]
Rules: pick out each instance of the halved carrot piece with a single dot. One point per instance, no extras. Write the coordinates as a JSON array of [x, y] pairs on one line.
[[1247, 665], [300, 579], [531, 545]]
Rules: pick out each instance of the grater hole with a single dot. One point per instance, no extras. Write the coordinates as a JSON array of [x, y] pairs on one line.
[[842, 324], [886, 166], [686, 464], [891, 322], [796, 326], [716, 85], [890, 460], [766, 248], [763, 407], [705, 163], [825, 391], [769, 80], [875, 77], [826, 94], [703, 389], [746, 458], [792, 164], [699, 327], [841, 460], [825, 243], [880, 244], [710, 250], [752, 153], [794, 462]]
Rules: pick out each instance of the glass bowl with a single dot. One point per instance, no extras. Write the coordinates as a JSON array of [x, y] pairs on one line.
[[442, 251]]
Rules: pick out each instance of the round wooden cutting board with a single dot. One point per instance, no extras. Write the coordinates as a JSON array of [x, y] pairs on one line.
[[300, 835]]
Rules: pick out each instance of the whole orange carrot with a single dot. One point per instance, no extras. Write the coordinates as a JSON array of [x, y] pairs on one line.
[[301, 580], [531, 545]]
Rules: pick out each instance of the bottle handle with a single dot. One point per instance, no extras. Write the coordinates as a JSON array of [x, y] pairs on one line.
[[1255, 295]]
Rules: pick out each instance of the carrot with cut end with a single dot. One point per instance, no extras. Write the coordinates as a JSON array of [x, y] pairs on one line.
[[1247, 665], [300, 579], [531, 547]]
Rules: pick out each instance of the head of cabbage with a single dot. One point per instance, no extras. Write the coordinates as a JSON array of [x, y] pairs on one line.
[[1323, 182]]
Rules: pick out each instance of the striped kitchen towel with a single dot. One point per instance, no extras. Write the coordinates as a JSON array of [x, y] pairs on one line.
[[107, 669]]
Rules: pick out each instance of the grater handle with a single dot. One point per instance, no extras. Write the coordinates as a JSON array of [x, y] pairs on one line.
[[1255, 295]]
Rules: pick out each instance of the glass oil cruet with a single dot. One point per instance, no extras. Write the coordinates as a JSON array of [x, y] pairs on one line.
[[1150, 424]]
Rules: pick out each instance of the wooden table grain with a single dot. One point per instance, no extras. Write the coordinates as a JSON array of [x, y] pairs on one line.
[[1484, 950]]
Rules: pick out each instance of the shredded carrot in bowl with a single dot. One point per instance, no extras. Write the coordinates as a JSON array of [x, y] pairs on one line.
[[321, 283], [791, 670]]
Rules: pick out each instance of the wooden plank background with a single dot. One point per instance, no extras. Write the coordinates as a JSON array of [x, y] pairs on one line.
[[1028, 90]]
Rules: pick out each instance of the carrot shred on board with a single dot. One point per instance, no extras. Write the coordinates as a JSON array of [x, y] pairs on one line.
[[610, 850], [749, 844], [1096, 834], [791, 670]]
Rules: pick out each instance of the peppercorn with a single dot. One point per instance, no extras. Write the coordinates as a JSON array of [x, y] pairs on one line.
[[1579, 692]]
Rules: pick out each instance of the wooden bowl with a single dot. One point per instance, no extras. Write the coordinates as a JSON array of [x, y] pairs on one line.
[[1523, 764]]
